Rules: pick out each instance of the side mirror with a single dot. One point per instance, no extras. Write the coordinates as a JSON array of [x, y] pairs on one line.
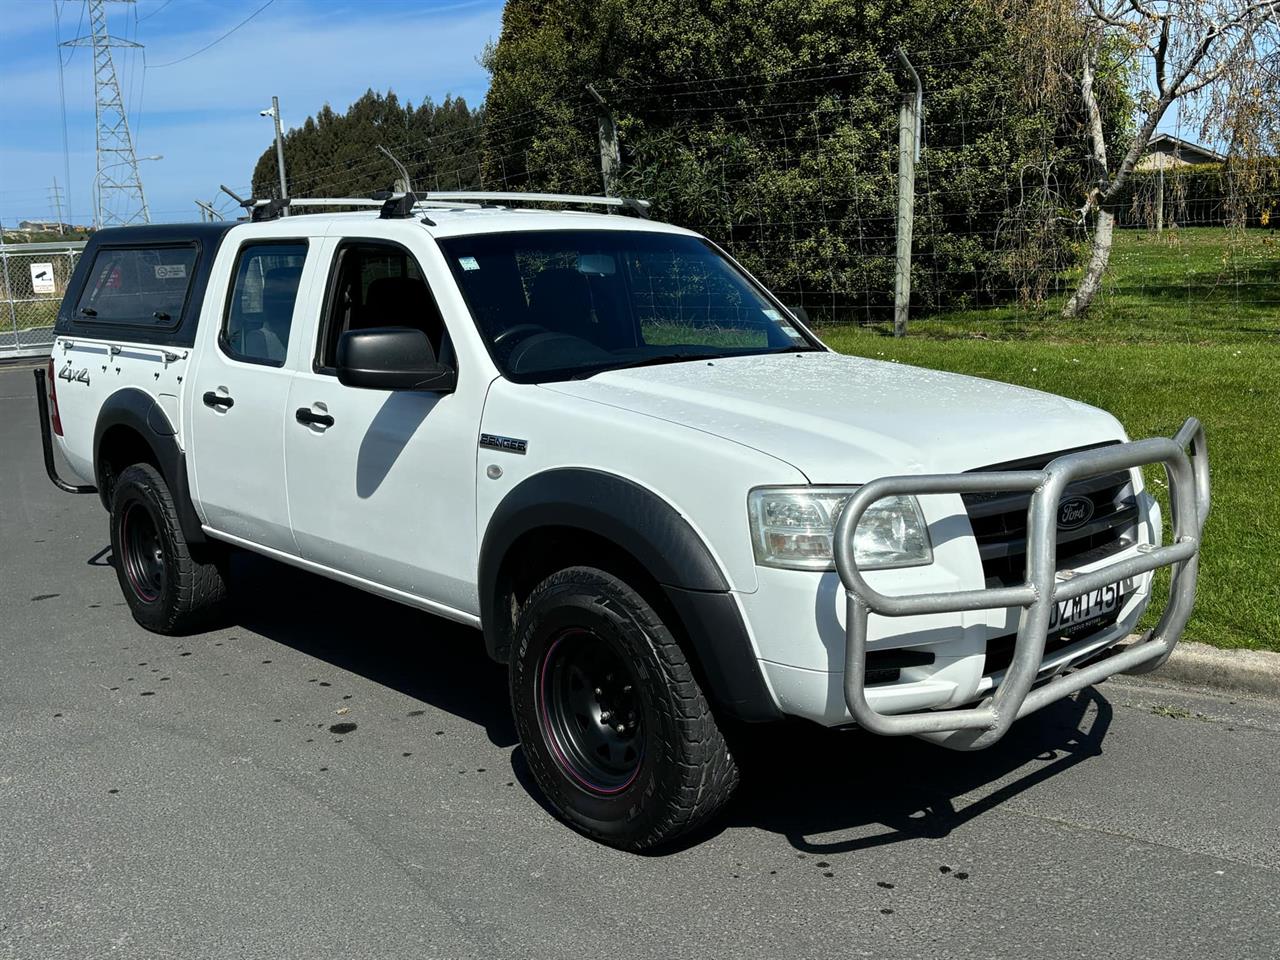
[[800, 313], [392, 358]]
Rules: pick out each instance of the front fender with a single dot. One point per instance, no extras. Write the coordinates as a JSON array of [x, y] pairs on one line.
[[653, 533]]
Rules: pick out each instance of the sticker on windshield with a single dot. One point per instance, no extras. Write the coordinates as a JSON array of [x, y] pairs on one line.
[[772, 314], [792, 332], [468, 263], [171, 271]]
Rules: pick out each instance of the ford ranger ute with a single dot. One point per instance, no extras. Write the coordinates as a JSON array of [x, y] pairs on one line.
[[669, 508]]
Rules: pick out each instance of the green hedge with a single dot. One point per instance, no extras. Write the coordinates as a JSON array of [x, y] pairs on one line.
[[1203, 195]]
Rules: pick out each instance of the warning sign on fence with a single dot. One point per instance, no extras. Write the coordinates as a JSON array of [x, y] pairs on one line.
[[42, 278]]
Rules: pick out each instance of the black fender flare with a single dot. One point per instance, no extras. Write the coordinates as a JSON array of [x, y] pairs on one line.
[[653, 533], [140, 412]]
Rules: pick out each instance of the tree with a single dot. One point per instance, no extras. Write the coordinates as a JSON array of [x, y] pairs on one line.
[[335, 154], [771, 126], [1207, 56]]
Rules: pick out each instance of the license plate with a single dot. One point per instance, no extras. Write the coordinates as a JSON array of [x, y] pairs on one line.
[[1088, 611]]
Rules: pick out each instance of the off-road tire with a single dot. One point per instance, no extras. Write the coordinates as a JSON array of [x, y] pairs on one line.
[[190, 585], [685, 772]]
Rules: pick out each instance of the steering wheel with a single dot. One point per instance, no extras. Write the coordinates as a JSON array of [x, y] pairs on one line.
[[520, 331]]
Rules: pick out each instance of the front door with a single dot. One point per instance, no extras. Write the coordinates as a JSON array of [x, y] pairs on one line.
[[238, 400], [382, 483]]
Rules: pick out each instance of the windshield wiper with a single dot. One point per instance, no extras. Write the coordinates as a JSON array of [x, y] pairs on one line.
[[643, 362], [797, 348]]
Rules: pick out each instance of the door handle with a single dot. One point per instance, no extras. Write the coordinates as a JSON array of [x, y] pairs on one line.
[[305, 416], [212, 399]]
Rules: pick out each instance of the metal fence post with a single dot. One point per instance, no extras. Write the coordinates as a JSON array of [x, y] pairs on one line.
[[908, 153], [1160, 200]]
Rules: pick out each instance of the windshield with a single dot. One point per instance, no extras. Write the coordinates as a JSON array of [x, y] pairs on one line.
[[558, 304]]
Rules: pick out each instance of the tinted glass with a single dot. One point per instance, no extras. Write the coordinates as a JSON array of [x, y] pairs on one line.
[[566, 303], [376, 285], [139, 286], [260, 308]]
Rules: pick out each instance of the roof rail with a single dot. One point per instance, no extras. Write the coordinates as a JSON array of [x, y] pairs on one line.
[[506, 197], [402, 205]]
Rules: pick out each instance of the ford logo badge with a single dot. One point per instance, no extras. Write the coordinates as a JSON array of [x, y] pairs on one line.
[[1074, 512]]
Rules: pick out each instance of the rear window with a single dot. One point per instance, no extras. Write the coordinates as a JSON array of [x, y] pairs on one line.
[[138, 286]]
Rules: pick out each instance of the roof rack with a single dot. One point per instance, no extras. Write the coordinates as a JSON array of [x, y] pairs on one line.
[[395, 206], [505, 198]]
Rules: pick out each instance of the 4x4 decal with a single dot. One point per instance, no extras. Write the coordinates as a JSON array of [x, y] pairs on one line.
[[77, 376]]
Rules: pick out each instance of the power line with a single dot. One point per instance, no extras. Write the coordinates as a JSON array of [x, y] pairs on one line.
[[79, 24], [173, 63], [62, 96], [155, 11]]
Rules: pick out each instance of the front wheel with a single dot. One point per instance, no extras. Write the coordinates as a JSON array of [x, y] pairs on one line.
[[171, 587], [617, 732]]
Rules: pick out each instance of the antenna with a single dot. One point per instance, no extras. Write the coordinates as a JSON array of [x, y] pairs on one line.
[[407, 187], [117, 184]]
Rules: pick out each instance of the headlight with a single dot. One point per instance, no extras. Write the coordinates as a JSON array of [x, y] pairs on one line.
[[792, 527]]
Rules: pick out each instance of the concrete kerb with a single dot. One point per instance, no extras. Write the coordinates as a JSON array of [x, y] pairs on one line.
[[1254, 672]]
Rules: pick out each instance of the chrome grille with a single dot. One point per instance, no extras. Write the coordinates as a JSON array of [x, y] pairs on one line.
[[999, 521]]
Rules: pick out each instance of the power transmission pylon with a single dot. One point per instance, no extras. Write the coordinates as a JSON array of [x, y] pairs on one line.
[[117, 176], [55, 197]]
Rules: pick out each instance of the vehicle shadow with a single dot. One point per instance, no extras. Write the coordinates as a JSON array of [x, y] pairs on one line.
[[420, 655], [799, 780], [805, 782]]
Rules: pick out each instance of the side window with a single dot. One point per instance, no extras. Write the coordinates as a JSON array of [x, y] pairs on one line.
[[376, 285], [260, 305], [138, 286]]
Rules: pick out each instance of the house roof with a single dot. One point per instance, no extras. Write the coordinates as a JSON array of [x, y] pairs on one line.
[[1168, 143]]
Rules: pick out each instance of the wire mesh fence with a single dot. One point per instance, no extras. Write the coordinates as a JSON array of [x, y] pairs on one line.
[[797, 177], [33, 278]]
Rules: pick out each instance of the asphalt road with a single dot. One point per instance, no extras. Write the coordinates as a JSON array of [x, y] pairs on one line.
[[187, 798]]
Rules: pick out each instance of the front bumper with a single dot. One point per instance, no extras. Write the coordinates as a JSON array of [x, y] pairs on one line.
[[1185, 461]]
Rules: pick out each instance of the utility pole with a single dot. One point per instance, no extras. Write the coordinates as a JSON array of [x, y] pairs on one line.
[[55, 196], [607, 133], [114, 142], [909, 116], [207, 212], [274, 113]]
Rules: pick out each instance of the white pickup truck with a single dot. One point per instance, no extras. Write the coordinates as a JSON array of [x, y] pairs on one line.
[[667, 505]]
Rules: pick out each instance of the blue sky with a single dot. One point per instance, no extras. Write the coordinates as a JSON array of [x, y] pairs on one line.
[[202, 114]]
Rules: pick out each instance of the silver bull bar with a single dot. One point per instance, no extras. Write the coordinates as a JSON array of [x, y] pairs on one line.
[[1186, 465]]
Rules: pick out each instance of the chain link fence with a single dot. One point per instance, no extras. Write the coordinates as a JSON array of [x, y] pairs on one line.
[[33, 278]]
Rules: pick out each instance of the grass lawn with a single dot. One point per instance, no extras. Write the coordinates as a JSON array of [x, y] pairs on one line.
[[1152, 370], [1194, 285]]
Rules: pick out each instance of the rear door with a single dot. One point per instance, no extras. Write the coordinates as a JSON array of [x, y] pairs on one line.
[[382, 482], [240, 390]]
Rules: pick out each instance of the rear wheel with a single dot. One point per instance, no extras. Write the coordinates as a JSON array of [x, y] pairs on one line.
[[617, 732], [171, 587]]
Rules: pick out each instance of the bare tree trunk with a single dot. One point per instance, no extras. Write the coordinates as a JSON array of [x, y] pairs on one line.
[[1100, 253], [1099, 257]]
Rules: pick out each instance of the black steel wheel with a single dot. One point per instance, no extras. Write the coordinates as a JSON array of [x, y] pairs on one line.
[[590, 711], [141, 554], [614, 726], [171, 586]]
